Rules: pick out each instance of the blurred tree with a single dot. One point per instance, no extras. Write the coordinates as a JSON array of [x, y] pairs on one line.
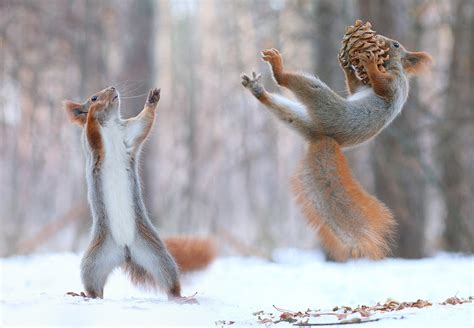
[[399, 180], [217, 163], [455, 143], [326, 41]]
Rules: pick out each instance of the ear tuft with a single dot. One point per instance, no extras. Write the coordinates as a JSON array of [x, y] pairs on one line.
[[74, 112], [416, 62]]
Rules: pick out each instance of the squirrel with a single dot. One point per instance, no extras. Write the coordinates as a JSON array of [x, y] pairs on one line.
[[122, 233], [349, 221]]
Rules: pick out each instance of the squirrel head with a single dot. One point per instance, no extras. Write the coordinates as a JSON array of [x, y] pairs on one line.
[[103, 104], [412, 62]]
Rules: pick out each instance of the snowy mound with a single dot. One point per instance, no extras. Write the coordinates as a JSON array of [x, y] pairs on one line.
[[235, 289]]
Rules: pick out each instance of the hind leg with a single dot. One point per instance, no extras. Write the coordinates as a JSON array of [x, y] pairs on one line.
[[102, 256], [151, 254]]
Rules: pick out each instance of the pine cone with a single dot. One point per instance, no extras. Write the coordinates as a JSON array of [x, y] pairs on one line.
[[360, 38]]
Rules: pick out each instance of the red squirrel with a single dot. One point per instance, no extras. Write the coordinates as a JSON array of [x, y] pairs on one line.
[[122, 233], [349, 221]]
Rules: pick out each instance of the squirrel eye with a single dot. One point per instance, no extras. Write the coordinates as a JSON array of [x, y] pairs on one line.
[[94, 98], [396, 45]]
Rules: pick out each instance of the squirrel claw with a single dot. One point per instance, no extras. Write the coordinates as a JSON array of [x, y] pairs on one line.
[[249, 81], [154, 96], [256, 77], [366, 59], [253, 84], [245, 80], [343, 61], [272, 55]]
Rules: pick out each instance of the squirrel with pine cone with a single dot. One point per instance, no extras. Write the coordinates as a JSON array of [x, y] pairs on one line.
[[349, 221]]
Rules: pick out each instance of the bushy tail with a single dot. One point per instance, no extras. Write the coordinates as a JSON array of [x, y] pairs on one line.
[[350, 222], [191, 253]]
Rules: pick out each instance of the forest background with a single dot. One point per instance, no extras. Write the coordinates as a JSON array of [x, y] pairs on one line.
[[218, 163]]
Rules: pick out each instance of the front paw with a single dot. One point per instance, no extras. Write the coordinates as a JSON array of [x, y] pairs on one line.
[[253, 83], [344, 61], [274, 58], [342, 57], [153, 96], [366, 59]]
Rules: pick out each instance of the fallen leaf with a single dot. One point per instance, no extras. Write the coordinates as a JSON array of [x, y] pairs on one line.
[[224, 322]]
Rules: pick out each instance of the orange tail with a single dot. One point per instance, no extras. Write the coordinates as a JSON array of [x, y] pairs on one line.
[[191, 253], [349, 221]]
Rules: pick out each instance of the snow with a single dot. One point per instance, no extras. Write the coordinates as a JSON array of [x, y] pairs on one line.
[[232, 288]]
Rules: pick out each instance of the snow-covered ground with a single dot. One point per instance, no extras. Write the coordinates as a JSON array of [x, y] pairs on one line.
[[233, 288]]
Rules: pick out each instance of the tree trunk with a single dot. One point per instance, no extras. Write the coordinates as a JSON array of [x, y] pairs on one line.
[[454, 141], [399, 181]]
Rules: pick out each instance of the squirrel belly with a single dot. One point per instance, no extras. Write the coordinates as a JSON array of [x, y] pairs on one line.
[[349, 221], [117, 187]]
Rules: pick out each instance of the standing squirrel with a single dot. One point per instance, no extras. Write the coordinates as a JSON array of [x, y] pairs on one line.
[[122, 233], [350, 221]]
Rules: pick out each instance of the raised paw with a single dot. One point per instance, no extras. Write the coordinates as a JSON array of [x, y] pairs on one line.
[[249, 82], [366, 58], [344, 61], [274, 58], [253, 83], [154, 96]]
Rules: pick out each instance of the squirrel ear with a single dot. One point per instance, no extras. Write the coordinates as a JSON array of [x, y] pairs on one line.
[[416, 62], [75, 112]]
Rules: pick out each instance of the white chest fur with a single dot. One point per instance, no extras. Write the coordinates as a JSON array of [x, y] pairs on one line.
[[116, 186]]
